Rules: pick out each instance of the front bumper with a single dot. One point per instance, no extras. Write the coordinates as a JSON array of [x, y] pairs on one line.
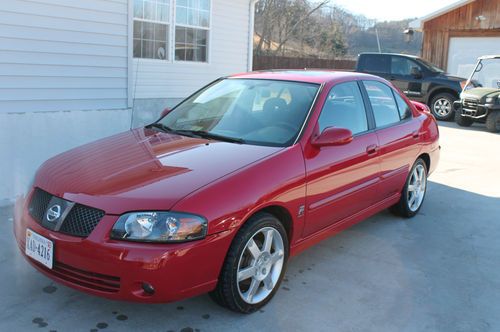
[[117, 269], [473, 109]]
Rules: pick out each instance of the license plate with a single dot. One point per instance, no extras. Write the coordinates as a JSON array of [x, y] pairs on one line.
[[39, 248]]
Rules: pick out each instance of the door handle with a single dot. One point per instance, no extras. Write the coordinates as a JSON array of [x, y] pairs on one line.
[[371, 149], [416, 134]]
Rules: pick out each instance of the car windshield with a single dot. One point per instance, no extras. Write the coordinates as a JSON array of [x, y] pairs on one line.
[[487, 73], [253, 111], [430, 66]]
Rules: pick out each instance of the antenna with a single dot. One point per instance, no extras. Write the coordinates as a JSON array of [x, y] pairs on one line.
[[133, 98]]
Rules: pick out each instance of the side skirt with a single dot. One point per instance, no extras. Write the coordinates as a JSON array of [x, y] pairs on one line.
[[339, 226]]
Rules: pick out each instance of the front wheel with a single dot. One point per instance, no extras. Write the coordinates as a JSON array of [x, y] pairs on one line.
[[442, 106], [493, 122], [254, 266], [463, 121], [413, 193]]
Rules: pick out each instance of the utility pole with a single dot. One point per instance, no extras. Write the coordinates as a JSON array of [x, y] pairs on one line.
[[378, 40]]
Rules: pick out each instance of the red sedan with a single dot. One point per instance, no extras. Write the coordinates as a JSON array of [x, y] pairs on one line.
[[222, 190]]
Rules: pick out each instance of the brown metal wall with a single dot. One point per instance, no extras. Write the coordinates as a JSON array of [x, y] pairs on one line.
[[460, 22]]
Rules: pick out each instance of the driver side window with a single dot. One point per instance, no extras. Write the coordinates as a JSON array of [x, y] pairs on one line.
[[344, 108]]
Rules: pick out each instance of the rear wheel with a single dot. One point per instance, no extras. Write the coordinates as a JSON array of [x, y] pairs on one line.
[[493, 122], [442, 106], [414, 191], [254, 266], [463, 121]]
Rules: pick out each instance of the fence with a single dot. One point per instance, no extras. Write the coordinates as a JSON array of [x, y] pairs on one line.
[[262, 62]]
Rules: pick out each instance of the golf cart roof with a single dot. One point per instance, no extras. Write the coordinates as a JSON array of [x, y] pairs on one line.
[[487, 57]]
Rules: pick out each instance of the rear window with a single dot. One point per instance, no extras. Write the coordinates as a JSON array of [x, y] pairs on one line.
[[374, 63]]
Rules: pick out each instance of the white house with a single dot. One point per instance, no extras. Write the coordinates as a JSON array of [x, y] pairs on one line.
[[75, 71]]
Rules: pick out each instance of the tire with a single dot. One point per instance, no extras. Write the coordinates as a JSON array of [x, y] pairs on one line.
[[442, 106], [251, 274], [493, 122], [405, 207], [463, 121]]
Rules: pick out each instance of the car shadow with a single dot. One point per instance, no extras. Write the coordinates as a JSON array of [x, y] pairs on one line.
[[437, 271]]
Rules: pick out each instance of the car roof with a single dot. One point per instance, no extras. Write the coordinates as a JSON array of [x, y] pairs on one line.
[[318, 76]]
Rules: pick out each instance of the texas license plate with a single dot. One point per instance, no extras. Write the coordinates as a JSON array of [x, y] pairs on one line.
[[39, 248]]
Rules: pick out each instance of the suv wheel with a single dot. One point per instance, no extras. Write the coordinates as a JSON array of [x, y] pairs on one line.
[[442, 106], [254, 266], [493, 122], [463, 121]]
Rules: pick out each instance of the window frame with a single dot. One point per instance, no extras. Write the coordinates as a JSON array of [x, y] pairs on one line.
[[411, 61], [365, 106], [372, 114], [171, 36]]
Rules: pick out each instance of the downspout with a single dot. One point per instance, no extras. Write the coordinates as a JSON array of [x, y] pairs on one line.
[[251, 26]]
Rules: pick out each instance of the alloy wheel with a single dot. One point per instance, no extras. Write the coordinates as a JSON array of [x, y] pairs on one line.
[[442, 107], [416, 188], [260, 265]]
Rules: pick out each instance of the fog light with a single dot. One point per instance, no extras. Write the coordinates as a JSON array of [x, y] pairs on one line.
[[148, 288]]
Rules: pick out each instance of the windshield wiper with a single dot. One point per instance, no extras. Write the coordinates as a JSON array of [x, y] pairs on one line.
[[160, 126], [206, 134]]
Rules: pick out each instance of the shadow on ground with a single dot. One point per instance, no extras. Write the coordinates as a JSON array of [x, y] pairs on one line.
[[436, 272]]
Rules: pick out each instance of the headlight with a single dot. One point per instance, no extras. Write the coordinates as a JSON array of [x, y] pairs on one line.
[[159, 227], [492, 100], [469, 86]]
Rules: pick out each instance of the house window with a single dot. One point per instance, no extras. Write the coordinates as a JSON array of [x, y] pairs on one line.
[[151, 29], [192, 24]]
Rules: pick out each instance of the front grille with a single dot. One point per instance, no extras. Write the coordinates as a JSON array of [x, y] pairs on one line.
[[39, 203], [80, 221], [91, 280], [471, 104]]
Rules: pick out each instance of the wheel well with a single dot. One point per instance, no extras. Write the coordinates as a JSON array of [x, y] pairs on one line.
[[283, 216], [438, 91], [427, 159]]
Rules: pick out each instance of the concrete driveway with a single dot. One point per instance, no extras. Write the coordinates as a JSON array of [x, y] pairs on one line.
[[437, 272]]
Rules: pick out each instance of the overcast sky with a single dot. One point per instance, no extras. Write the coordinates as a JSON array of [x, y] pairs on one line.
[[387, 10]]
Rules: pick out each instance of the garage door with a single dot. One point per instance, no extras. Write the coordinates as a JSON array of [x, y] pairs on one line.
[[464, 51]]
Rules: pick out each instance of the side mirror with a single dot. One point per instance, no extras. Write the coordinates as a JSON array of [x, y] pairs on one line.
[[416, 72], [165, 112], [332, 136]]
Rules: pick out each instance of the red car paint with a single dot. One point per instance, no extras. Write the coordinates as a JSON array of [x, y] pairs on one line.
[[316, 191]]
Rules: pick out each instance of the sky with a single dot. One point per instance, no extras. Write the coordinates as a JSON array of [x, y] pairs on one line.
[[388, 10]]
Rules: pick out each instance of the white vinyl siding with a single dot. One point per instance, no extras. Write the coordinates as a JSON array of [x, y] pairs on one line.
[[227, 54], [59, 55]]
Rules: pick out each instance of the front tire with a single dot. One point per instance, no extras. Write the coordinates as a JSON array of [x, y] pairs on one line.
[[413, 194], [442, 106], [463, 121], [254, 266], [493, 122]]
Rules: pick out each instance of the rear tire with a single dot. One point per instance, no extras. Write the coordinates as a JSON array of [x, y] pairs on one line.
[[255, 265], [442, 106], [493, 122], [413, 194], [463, 121]]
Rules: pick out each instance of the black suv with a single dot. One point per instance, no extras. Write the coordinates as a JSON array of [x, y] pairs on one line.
[[418, 79]]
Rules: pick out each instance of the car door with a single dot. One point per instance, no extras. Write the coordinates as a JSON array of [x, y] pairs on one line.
[[406, 75], [397, 133], [341, 180]]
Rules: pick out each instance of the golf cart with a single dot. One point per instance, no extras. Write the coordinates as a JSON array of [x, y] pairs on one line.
[[480, 97]]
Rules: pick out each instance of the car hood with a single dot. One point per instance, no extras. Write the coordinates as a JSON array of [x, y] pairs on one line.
[[480, 93], [142, 169], [451, 77]]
